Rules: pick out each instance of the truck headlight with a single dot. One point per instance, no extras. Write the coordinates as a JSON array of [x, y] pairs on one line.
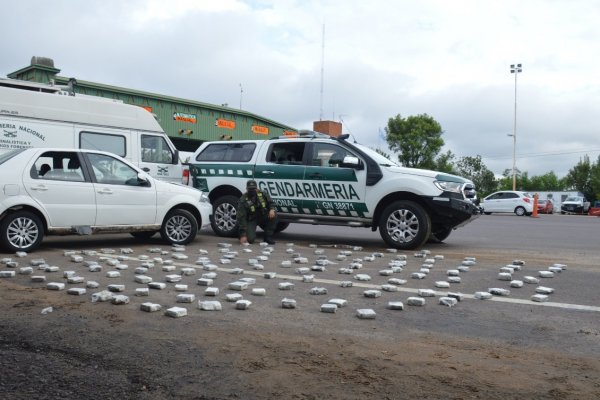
[[448, 186]]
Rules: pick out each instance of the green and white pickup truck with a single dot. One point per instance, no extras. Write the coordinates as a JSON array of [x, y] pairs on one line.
[[318, 179]]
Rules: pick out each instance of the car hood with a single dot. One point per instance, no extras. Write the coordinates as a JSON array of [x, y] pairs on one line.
[[578, 202], [175, 188]]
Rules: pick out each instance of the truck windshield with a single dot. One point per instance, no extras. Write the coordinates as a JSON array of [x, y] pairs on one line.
[[573, 198], [379, 159]]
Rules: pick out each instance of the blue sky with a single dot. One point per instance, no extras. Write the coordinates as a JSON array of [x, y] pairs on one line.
[[448, 59]]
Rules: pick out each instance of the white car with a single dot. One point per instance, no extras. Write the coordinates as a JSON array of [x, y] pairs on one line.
[[74, 191], [508, 201]]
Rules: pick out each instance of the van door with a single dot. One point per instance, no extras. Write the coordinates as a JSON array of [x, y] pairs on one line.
[[331, 189], [158, 158]]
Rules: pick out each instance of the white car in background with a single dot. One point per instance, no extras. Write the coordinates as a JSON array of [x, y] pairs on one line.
[[76, 191], [508, 201]]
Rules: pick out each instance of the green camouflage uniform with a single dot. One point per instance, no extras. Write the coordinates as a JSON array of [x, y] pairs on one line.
[[255, 211]]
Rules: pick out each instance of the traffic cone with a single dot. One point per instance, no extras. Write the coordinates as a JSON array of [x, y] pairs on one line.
[[535, 206]]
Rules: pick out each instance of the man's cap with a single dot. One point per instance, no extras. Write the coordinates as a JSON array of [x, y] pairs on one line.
[[251, 184]]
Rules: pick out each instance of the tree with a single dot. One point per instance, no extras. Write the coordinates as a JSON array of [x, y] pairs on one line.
[[445, 163], [595, 180], [474, 169], [418, 139], [545, 183], [579, 177]]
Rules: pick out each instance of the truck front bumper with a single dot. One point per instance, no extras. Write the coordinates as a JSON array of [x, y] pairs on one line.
[[451, 212]]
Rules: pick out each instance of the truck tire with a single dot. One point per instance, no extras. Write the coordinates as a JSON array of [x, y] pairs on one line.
[[405, 225], [21, 231], [281, 226], [224, 218], [179, 227]]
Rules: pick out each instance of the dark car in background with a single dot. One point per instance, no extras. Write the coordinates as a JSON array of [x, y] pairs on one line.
[[545, 207]]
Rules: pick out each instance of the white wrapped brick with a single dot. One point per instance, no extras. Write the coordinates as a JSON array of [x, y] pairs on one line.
[[210, 305], [424, 271], [301, 260], [120, 299], [176, 312], [116, 288], [483, 295], [516, 284], [362, 277], [345, 271], [208, 275], [509, 270], [238, 285], [372, 293], [7, 274], [365, 313], [302, 271], [204, 282], [242, 304], [448, 301], [395, 305], [396, 281], [75, 279], [92, 284], [454, 279], [142, 292], [144, 279], [544, 290], [157, 285], [104, 295], [150, 307], [455, 295], [308, 278], [188, 271], [181, 288], [211, 291], [463, 268], [51, 268], [233, 297], [258, 292], [505, 276], [237, 271], [285, 286], [389, 288], [122, 267], [546, 274], [288, 303], [53, 285], [426, 292], [269, 275], [95, 268], [442, 284], [562, 266], [539, 298], [76, 291], [38, 278], [318, 291], [286, 264], [531, 280], [258, 267], [555, 269], [185, 298], [173, 278], [499, 291], [418, 275], [345, 284], [329, 308], [25, 271], [113, 274], [338, 302]]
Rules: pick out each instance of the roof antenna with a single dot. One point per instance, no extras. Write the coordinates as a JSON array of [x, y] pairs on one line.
[[322, 71]]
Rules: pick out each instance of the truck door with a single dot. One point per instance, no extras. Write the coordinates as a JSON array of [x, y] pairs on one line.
[[281, 174], [159, 159], [330, 187]]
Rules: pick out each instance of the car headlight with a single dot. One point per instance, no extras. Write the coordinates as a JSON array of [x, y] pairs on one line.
[[448, 186], [204, 198]]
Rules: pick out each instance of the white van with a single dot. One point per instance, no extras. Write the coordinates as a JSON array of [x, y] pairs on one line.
[[38, 115]]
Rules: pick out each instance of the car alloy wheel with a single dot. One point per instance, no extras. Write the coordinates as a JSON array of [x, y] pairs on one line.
[[21, 231], [180, 227]]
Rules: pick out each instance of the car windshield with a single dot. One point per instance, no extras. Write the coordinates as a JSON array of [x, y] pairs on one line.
[[378, 158], [9, 154], [573, 198]]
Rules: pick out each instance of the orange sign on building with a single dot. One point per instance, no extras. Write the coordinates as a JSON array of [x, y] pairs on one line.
[[260, 130], [183, 117], [225, 123]]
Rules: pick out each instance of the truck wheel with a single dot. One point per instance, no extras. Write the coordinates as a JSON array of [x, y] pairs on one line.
[[179, 227], [224, 219], [520, 211], [405, 225], [281, 226], [21, 231], [440, 235]]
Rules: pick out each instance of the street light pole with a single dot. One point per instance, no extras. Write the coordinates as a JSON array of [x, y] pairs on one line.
[[515, 69]]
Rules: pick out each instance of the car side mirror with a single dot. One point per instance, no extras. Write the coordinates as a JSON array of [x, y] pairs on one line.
[[143, 179], [353, 162]]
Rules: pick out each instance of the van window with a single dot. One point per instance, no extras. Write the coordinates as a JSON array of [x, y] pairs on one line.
[[102, 141], [233, 152], [155, 149]]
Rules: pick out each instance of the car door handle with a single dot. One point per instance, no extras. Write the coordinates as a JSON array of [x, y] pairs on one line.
[[146, 169], [41, 188], [267, 172], [105, 191]]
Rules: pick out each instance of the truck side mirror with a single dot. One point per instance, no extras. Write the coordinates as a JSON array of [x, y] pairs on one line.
[[176, 157], [353, 162]]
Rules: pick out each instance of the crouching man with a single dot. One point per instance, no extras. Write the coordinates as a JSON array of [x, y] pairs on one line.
[[256, 208]]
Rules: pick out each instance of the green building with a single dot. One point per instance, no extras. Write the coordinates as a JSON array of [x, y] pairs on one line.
[[187, 122]]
